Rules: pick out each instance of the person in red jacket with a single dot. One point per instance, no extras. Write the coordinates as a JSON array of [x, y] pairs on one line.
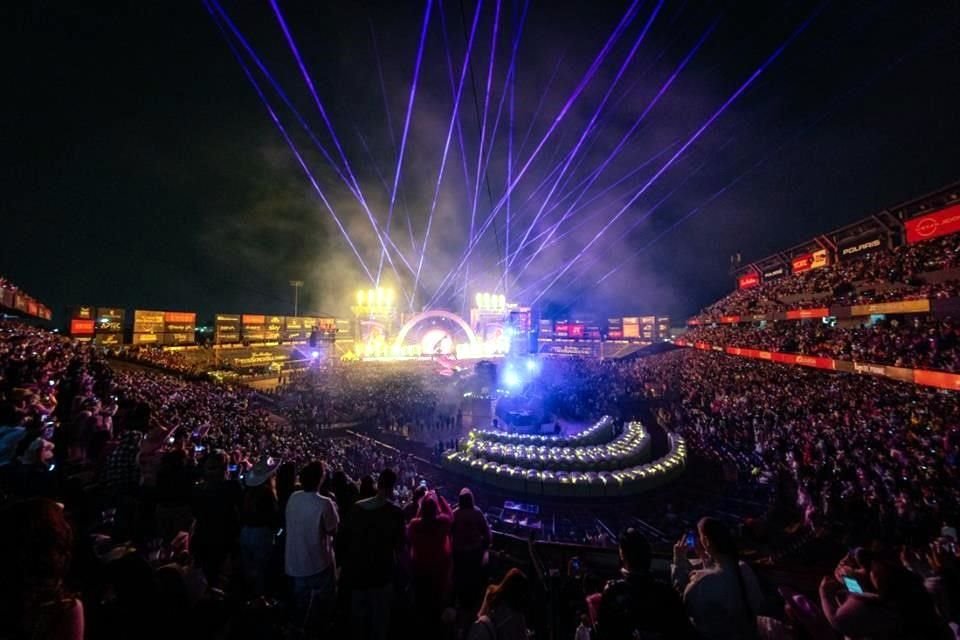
[[430, 559]]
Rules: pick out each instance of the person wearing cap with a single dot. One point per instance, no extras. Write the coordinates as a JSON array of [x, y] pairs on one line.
[[470, 535], [260, 520]]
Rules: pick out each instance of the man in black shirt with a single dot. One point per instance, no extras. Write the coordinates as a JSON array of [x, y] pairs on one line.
[[637, 607], [373, 542]]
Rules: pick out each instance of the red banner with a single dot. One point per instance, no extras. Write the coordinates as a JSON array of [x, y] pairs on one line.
[[937, 379], [802, 263], [702, 345], [933, 225], [693, 322], [253, 319], [801, 314], [748, 280], [79, 327], [33, 308], [729, 319], [179, 317]]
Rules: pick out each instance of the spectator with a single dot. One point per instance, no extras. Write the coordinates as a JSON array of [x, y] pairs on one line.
[[723, 598], [35, 551], [636, 605], [503, 612], [216, 511], [470, 536], [430, 555], [374, 540], [894, 603], [260, 521], [312, 522]]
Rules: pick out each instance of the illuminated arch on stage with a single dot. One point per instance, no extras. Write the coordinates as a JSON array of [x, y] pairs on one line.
[[436, 313]]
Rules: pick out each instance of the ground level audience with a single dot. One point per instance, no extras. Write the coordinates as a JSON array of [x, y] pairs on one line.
[[202, 509]]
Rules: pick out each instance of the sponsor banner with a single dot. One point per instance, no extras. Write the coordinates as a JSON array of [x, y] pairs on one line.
[[545, 328], [561, 329], [178, 338], [631, 327], [592, 332], [226, 328], [903, 306], [748, 280], [109, 320], [82, 312], [20, 302], [180, 317], [579, 349], [802, 314], [801, 263], [819, 259], [843, 365], [939, 379], [773, 274], [293, 329], [327, 324], [933, 225], [703, 346], [45, 312], [81, 327], [681, 343], [870, 369], [273, 327], [108, 340], [253, 319], [148, 321], [146, 338], [576, 330], [32, 307], [899, 373], [693, 322], [729, 319], [759, 317], [614, 328], [860, 246], [6, 298]]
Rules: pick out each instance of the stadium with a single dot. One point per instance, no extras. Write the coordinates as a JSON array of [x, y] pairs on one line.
[[484, 320]]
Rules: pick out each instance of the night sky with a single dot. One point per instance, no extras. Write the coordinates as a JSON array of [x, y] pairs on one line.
[[140, 168]]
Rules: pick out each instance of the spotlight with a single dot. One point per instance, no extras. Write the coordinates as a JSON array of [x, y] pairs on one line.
[[315, 354], [360, 296], [511, 379], [531, 365]]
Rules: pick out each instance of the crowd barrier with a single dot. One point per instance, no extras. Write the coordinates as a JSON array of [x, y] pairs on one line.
[[938, 379], [598, 433]]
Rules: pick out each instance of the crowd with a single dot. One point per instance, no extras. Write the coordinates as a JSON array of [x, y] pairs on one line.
[[893, 274], [916, 341], [130, 493]]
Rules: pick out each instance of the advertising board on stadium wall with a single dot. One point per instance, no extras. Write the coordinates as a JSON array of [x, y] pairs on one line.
[[860, 246], [631, 327], [933, 225], [253, 327], [729, 319], [614, 328], [903, 306], [81, 327], [545, 328], [226, 328], [578, 349], [803, 314], [147, 322], [748, 280], [773, 274]]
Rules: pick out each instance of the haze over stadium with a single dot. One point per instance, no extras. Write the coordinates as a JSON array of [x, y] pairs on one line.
[[480, 319]]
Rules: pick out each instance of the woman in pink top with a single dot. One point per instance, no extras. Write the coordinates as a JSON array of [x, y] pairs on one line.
[[430, 559]]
